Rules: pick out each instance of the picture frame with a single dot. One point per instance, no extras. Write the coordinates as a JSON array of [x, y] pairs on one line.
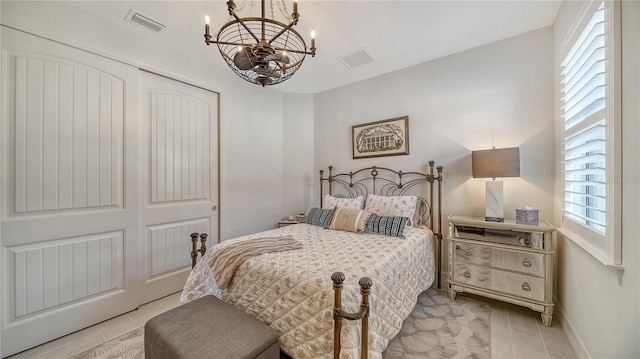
[[381, 138]]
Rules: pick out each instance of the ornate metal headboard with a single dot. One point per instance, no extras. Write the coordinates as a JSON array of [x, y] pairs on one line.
[[387, 182]]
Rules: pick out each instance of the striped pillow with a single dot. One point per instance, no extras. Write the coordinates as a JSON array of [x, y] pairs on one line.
[[319, 217], [400, 206], [389, 226], [350, 220]]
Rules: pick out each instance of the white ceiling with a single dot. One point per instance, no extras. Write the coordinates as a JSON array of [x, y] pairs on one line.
[[397, 33]]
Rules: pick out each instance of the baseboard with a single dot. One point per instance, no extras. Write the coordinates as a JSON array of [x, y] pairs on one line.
[[568, 329]]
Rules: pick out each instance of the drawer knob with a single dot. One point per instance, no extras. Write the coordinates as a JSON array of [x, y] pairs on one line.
[[457, 246], [467, 274], [467, 253], [526, 262], [526, 287]]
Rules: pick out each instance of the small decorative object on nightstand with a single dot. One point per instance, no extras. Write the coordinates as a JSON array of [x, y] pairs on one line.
[[527, 215], [507, 261], [301, 217]]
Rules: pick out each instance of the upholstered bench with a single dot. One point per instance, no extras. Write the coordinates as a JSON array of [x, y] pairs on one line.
[[209, 328]]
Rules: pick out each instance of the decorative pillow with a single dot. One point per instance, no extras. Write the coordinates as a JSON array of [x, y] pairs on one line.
[[395, 206], [390, 226], [330, 201], [319, 217], [350, 220]]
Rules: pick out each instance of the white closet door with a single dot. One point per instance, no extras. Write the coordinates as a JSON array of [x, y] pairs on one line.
[[180, 179], [68, 190]]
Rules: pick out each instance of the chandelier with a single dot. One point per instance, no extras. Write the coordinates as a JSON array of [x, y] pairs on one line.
[[260, 50]]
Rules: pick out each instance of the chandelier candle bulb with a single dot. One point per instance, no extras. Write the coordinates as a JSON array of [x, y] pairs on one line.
[[313, 40], [207, 35], [295, 6]]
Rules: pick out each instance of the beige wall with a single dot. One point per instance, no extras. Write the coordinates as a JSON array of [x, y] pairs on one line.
[[499, 95], [601, 315], [300, 176]]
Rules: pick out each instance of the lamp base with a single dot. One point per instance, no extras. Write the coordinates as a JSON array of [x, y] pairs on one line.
[[494, 203]]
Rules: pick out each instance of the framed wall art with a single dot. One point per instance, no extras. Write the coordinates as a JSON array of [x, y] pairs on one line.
[[381, 138]]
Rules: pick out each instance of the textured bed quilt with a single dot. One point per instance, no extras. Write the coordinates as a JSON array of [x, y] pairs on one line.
[[292, 290]]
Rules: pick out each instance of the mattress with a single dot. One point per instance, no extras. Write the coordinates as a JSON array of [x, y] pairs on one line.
[[292, 290]]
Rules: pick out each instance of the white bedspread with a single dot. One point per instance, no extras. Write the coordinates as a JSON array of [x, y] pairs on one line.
[[292, 290]]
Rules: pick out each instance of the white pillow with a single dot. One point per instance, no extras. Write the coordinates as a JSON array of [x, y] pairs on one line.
[[392, 206], [330, 202]]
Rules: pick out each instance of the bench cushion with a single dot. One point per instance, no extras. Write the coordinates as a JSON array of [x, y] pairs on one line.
[[209, 328]]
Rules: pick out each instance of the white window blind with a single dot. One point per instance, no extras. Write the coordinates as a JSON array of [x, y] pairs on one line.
[[587, 111]]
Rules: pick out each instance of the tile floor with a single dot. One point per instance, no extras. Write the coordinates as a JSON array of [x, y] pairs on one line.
[[516, 332]]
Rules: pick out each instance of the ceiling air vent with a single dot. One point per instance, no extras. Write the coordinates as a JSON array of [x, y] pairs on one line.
[[357, 58], [146, 21]]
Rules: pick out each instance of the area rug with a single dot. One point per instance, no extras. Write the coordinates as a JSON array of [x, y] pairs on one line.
[[127, 346], [436, 328], [440, 328]]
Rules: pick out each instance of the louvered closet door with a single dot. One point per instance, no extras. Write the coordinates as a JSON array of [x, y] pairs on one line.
[[180, 180], [68, 190]]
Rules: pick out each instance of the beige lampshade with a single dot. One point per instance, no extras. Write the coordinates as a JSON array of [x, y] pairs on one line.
[[502, 162]]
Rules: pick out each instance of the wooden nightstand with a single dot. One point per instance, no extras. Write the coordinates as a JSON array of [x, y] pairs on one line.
[[502, 260], [286, 223]]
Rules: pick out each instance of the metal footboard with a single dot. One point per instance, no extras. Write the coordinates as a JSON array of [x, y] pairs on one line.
[[339, 313], [194, 250]]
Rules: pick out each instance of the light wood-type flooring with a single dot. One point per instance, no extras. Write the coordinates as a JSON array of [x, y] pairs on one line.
[[516, 332]]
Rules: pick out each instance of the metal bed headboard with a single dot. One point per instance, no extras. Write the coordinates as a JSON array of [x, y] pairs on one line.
[[387, 182]]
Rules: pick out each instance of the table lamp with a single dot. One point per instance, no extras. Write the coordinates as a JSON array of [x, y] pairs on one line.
[[503, 162]]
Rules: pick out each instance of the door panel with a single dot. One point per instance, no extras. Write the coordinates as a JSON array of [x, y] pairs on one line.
[[167, 243], [53, 273], [181, 157], [69, 205], [169, 261], [67, 137], [180, 147]]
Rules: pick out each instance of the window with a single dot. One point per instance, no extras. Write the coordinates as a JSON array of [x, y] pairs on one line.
[[590, 114]]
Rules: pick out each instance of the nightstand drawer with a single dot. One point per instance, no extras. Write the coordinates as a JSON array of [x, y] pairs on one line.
[[473, 254], [518, 285], [472, 275], [523, 262]]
